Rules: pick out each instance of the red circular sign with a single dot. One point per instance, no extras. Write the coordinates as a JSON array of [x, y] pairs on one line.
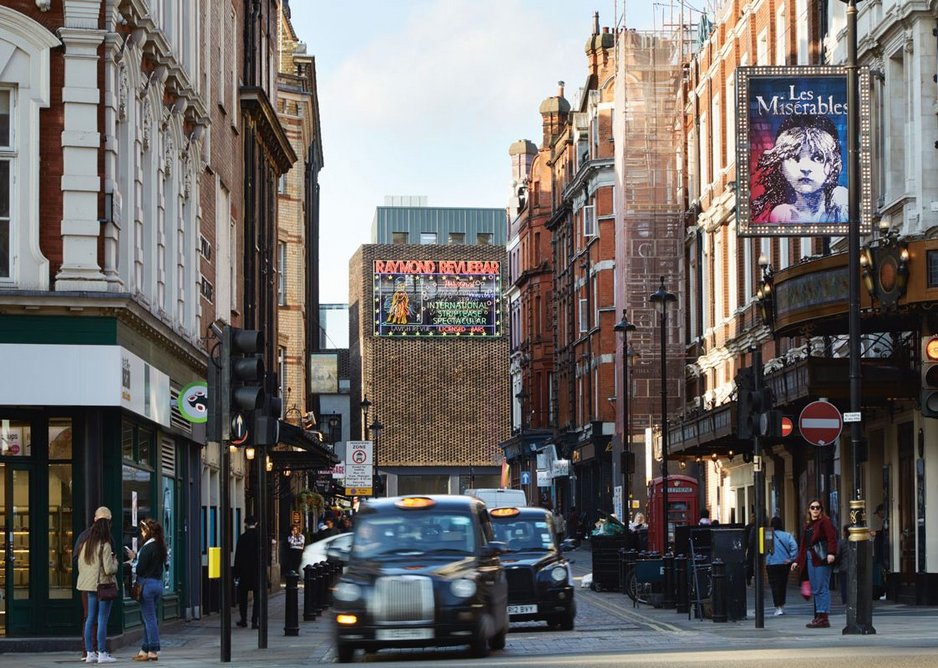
[[787, 426], [820, 423]]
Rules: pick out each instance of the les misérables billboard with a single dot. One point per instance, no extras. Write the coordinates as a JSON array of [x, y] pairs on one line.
[[792, 151], [437, 298]]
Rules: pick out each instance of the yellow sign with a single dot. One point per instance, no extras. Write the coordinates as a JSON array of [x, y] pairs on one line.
[[358, 491], [214, 563]]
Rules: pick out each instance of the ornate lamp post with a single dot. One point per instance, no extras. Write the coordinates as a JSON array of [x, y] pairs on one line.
[[365, 405], [624, 327], [859, 573], [662, 299]]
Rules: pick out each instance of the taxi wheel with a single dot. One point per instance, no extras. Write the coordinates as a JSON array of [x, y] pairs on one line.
[[500, 638], [566, 621], [346, 653], [479, 648]]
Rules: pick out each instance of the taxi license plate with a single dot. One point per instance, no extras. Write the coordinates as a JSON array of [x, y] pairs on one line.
[[403, 634], [522, 609]]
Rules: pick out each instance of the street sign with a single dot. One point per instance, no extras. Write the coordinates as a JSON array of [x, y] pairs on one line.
[[239, 429], [358, 491], [820, 423], [359, 457], [787, 426], [853, 417]]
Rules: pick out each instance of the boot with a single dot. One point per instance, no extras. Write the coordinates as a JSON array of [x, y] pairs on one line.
[[819, 622]]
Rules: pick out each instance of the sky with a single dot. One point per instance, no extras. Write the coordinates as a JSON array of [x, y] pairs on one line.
[[424, 97]]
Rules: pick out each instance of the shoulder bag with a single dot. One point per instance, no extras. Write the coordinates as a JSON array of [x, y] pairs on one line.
[[107, 591]]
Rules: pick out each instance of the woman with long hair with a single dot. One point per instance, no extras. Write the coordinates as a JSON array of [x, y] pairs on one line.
[[817, 550], [97, 564], [151, 561]]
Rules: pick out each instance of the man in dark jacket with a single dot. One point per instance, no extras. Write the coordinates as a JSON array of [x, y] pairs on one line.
[[245, 571]]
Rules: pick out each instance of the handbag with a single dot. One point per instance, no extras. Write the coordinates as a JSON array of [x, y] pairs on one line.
[[106, 591], [806, 589], [135, 591], [820, 549]]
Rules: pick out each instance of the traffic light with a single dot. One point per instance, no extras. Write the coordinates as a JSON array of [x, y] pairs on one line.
[[745, 380], [267, 418], [930, 376], [242, 373]]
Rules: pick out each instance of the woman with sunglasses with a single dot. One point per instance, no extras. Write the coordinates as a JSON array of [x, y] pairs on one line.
[[816, 552]]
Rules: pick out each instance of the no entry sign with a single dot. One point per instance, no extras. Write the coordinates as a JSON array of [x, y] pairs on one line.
[[820, 423]]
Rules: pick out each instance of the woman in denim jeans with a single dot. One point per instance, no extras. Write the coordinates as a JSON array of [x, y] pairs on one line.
[[97, 565], [151, 560]]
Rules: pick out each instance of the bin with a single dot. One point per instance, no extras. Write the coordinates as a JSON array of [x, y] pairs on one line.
[[606, 561]]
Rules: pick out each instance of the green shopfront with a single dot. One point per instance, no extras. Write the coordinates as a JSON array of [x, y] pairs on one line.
[[89, 423]]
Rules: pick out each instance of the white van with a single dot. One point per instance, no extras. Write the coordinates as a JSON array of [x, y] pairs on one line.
[[500, 498]]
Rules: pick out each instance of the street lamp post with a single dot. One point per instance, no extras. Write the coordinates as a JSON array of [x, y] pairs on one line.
[[365, 405], [376, 428], [624, 327], [859, 575], [661, 299]]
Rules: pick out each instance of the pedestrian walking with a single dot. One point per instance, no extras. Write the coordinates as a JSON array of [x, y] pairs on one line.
[[296, 541], [816, 552], [778, 564], [151, 562], [97, 565], [245, 571]]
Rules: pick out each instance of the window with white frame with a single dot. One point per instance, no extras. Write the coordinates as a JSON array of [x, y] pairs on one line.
[[584, 316], [7, 167], [427, 238], [589, 221], [730, 113], [780, 36], [716, 146]]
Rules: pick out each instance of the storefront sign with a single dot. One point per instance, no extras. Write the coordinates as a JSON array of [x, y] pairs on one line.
[[560, 468], [543, 478], [414, 298], [75, 375], [193, 402]]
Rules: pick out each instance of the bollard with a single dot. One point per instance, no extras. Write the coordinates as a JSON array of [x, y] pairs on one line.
[[309, 594], [291, 617], [623, 571], [680, 574], [322, 586], [718, 589], [667, 600]]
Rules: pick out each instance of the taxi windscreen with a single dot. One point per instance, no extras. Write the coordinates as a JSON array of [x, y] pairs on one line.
[[413, 533], [524, 535]]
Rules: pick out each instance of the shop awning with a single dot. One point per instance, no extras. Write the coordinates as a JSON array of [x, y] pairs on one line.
[[314, 454]]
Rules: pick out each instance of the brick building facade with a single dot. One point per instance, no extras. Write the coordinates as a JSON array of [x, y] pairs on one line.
[[440, 398]]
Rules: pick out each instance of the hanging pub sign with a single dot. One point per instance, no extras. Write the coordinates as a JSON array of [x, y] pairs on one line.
[[792, 151], [437, 298]]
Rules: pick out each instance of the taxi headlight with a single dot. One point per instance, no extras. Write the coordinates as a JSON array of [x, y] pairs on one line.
[[463, 588], [347, 591], [558, 574]]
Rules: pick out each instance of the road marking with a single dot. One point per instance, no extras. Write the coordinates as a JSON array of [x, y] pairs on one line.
[[632, 616]]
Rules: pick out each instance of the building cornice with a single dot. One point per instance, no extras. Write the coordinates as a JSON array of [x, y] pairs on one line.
[[257, 108]]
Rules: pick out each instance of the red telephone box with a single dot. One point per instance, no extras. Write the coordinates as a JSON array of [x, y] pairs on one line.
[[682, 508]]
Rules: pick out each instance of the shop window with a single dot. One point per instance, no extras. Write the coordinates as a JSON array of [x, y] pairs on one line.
[[169, 529], [137, 503], [61, 540], [127, 440]]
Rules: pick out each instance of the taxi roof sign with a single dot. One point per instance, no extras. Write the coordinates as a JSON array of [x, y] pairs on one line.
[[504, 512], [415, 502]]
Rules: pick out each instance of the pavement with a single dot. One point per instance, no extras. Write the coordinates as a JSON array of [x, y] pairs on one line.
[[606, 622]]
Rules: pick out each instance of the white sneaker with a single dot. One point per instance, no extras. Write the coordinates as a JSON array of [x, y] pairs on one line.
[[104, 657], [778, 612], [91, 657]]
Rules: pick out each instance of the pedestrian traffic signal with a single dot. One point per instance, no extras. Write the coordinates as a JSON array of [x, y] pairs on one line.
[[929, 398], [242, 374]]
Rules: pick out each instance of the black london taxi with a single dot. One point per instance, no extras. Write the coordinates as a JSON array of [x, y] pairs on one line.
[[423, 571], [540, 581]]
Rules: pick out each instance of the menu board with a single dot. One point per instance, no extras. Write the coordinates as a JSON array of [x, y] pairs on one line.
[[437, 298]]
